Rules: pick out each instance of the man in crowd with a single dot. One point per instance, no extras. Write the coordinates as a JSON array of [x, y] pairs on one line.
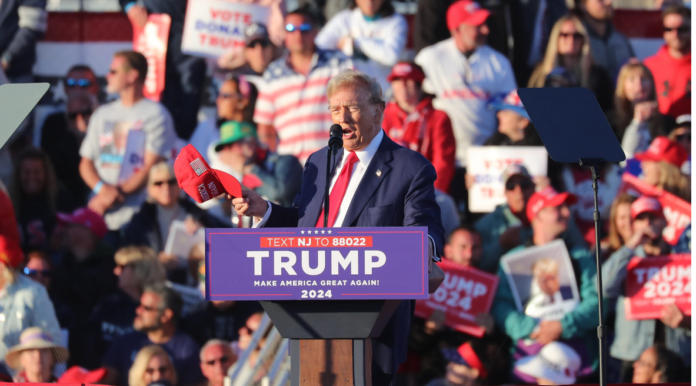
[[185, 75], [411, 121], [216, 358], [464, 247], [548, 213], [258, 50], [118, 195], [81, 77], [218, 319], [463, 72], [292, 101], [671, 65], [23, 24], [610, 49], [156, 322]]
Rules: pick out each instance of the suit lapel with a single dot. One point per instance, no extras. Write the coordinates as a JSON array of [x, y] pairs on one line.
[[313, 210], [371, 180]]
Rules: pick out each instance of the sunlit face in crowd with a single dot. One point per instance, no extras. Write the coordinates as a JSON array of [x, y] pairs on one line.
[[554, 218], [460, 375], [120, 75], [637, 86], [126, 277], [469, 37], [229, 100], [518, 191], [32, 176], [406, 92], [651, 172], [361, 120], [259, 55], [299, 41], [644, 369], [158, 369], [512, 124], [163, 188], [464, 248], [570, 40], [81, 80], [369, 8], [37, 361], [217, 360], [148, 315], [598, 9], [677, 32], [623, 221], [39, 271]]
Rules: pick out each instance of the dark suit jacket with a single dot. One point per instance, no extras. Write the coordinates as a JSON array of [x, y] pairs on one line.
[[403, 195]]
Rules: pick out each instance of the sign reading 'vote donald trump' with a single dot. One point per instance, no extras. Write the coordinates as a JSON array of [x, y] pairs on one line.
[[317, 263]]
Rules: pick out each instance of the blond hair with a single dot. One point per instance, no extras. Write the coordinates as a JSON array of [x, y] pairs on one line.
[[624, 107], [672, 180], [354, 78], [550, 60], [147, 268], [137, 370], [159, 167]]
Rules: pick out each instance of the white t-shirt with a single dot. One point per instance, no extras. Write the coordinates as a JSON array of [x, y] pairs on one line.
[[381, 40], [463, 88]]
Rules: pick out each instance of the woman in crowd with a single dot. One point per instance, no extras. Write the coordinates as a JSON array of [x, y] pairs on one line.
[[620, 229], [35, 357], [637, 119], [151, 226], [661, 164], [37, 197], [569, 47], [152, 364], [371, 32]]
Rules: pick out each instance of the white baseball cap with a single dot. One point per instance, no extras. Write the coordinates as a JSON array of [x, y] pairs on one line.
[[556, 362]]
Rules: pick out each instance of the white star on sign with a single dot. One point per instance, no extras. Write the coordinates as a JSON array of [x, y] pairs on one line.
[[58, 93], [302, 232], [316, 232], [329, 231], [322, 232]]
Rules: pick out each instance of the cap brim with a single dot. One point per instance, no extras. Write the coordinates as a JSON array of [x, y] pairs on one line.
[[647, 157], [256, 38], [229, 183], [477, 18], [534, 367], [562, 198], [12, 357], [497, 106]]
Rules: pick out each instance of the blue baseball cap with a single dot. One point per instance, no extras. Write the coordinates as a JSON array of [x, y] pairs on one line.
[[510, 101]]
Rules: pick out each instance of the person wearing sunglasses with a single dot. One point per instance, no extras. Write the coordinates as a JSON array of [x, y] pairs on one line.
[[681, 134], [152, 224], [671, 65], [370, 32], [152, 365], [216, 358], [259, 48], [610, 49], [81, 77]]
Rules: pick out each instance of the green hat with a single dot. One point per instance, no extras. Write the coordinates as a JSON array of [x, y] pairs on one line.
[[232, 131]]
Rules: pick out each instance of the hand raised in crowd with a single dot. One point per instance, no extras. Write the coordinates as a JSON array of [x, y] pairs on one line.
[[674, 318], [469, 180], [168, 260], [251, 204], [435, 322], [642, 236], [541, 182], [644, 110], [138, 16], [547, 331], [486, 321]]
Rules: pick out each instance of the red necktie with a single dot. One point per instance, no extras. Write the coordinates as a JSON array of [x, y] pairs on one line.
[[338, 191]]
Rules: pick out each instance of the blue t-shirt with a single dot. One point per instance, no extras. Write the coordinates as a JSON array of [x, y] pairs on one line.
[[181, 348]]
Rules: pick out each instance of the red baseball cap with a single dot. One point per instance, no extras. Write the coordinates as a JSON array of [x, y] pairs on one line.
[[548, 198], [406, 70], [465, 12], [77, 374], [646, 204], [10, 252], [664, 149], [86, 217], [199, 180]]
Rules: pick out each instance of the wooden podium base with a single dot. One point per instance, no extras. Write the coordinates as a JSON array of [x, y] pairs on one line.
[[331, 362]]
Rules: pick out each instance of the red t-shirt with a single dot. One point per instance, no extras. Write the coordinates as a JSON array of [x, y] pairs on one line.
[[672, 82]]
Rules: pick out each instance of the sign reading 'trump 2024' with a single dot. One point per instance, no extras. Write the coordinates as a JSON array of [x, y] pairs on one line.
[[316, 263]]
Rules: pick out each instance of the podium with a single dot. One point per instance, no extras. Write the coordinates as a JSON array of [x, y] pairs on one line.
[[329, 290]]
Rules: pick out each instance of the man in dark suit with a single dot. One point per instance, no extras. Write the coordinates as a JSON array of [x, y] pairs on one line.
[[376, 183]]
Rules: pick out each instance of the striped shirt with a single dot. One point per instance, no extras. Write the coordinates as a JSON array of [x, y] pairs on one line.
[[296, 105]]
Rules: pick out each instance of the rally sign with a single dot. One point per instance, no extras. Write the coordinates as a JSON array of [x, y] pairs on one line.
[[151, 41], [317, 263], [465, 293], [654, 282], [677, 211], [213, 27], [487, 163]]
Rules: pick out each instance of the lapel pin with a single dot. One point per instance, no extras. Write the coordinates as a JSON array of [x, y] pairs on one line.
[[379, 173]]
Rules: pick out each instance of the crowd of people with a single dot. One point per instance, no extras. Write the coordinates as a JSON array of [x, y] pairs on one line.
[[91, 275]]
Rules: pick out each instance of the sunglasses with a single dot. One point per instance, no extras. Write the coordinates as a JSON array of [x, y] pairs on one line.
[[85, 113], [304, 27], [229, 95], [262, 43], [168, 182], [36, 272], [73, 82], [575, 36], [523, 184], [161, 370], [223, 359], [681, 30]]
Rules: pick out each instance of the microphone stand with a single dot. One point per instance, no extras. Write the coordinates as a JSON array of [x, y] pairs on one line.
[[326, 187]]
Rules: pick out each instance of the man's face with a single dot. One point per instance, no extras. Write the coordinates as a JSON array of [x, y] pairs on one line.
[[464, 248], [39, 271], [645, 220], [299, 41], [512, 124], [217, 360], [259, 55], [554, 219], [148, 315], [360, 119], [644, 367], [677, 31], [119, 76], [406, 92], [599, 9], [549, 282], [460, 375], [469, 37], [518, 190], [81, 80]]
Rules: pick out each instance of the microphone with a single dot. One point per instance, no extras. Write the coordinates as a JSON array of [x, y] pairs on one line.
[[336, 140]]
